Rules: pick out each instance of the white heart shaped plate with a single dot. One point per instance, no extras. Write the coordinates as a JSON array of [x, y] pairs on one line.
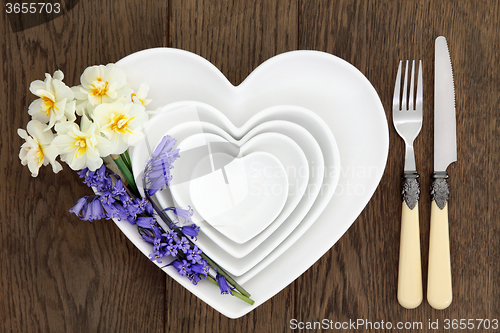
[[327, 85], [240, 199], [211, 120]]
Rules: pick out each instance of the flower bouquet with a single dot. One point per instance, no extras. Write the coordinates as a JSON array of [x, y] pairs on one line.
[[90, 127]]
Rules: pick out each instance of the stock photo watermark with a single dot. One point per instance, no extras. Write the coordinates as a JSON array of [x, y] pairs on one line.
[[425, 326], [24, 15]]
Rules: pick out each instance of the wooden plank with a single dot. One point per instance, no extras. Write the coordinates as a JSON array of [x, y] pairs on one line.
[[236, 36], [57, 273], [358, 277]]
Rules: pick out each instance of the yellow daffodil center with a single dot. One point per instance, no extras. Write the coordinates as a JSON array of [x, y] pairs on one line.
[[39, 156], [119, 123], [134, 95], [99, 88], [48, 105], [81, 144]]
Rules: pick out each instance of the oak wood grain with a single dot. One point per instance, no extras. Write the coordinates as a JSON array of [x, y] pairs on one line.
[[60, 274], [236, 36]]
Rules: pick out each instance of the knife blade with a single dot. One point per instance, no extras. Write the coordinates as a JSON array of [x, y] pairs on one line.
[[445, 137], [439, 284]]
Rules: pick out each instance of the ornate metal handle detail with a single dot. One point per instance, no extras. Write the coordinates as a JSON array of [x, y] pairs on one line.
[[440, 190], [411, 189]]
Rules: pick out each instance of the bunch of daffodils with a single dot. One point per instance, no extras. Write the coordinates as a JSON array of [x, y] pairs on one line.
[[83, 124]]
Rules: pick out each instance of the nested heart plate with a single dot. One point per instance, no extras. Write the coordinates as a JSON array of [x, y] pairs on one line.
[[210, 120], [327, 85]]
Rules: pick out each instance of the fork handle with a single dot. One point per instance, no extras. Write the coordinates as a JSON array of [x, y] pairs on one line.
[[410, 272], [439, 288]]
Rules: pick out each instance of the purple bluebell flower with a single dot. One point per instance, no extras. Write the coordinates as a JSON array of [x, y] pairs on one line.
[[194, 278], [78, 206], [159, 245], [125, 199], [115, 210], [133, 211], [118, 189], [183, 245], [165, 146], [170, 249], [194, 255], [155, 256], [93, 210], [185, 214], [147, 234], [82, 173], [89, 178], [169, 235], [223, 285], [89, 208], [106, 184], [145, 221], [142, 204], [107, 198], [149, 208], [182, 266], [157, 171], [157, 184], [201, 268], [191, 230], [100, 176]]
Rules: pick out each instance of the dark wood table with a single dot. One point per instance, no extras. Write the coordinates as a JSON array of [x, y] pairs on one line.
[[60, 274]]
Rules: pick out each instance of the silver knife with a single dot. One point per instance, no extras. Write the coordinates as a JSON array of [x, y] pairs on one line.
[[439, 289]]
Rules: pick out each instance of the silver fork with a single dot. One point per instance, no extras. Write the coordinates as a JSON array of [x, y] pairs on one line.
[[407, 118]]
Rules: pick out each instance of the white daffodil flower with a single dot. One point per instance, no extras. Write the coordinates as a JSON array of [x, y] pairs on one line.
[[100, 84], [82, 146], [140, 96], [121, 123], [56, 102], [38, 150]]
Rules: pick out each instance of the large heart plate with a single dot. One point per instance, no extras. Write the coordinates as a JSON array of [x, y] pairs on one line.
[[329, 86]]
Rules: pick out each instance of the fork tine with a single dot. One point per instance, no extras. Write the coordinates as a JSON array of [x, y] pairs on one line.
[[404, 103], [420, 88], [412, 86], [397, 89]]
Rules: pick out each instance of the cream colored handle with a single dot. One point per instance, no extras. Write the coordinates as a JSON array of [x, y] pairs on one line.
[[410, 271], [439, 291]]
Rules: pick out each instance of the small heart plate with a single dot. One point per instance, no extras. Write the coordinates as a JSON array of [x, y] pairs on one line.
[[330, 87], [241, 198]]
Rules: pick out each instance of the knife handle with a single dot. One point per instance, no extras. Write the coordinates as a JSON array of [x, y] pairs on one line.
[[439, 289], [410, 271]]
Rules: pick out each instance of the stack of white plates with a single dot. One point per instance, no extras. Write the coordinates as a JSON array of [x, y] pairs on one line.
[[250, 191], [293, 155]]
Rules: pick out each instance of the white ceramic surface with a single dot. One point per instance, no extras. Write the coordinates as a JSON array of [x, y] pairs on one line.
[[239, 197], [295, 168], [303, 201], [176, 112], [335, 90]]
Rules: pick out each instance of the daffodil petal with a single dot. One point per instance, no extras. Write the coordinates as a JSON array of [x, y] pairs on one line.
[[58, 75], [36, 86]]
